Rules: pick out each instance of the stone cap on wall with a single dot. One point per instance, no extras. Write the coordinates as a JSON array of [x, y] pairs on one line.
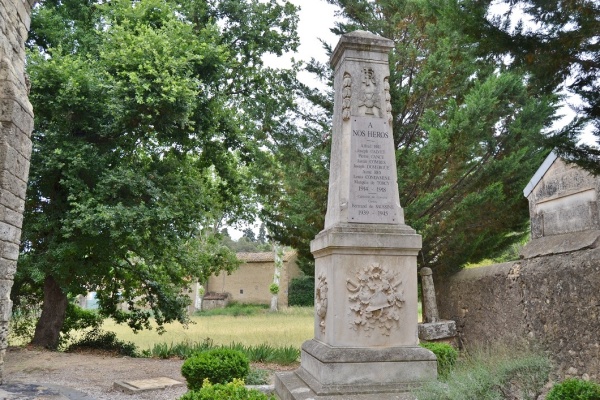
[[266, 256]]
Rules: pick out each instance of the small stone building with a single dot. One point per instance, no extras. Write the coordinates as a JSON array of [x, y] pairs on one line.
[[563, 207], [250, 283]]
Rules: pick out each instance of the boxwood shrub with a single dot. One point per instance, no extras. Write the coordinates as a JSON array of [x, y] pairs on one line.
[[574, 389], [216, 365]]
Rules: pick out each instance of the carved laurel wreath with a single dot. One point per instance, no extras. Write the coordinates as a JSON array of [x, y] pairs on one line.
[[375, 299]]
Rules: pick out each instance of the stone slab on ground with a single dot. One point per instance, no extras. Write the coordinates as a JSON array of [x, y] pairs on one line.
[[27, 391], [145, 385], [289, 386]]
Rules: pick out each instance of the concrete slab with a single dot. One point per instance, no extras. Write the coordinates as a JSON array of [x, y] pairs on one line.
[[145, 385], [26, 391]]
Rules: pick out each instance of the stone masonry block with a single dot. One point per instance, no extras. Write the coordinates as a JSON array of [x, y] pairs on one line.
[[9, 250], [10, 182], [10, 217], [11, 201], [5, 310], [437, 330], [7, 268], [13, 137], [5, 286], [9, 232], [12, 111]]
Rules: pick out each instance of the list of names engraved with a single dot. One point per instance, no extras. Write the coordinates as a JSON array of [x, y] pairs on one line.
[[372, 172]]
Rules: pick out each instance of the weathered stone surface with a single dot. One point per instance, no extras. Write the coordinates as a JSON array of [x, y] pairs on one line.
[[552, 302], [145, 385], [559, 244], [16, 124], [563, 198], [437, 330]]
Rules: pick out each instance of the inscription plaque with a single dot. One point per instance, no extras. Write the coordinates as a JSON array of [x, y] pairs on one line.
[[372, 172]]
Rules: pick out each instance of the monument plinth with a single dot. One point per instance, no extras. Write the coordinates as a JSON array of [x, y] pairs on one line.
[[366, 342]]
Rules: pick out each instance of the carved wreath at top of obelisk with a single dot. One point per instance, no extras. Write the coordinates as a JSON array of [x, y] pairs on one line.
[[363, 186]]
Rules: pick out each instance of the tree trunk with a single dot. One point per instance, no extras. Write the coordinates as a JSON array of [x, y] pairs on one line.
[[47, 330]]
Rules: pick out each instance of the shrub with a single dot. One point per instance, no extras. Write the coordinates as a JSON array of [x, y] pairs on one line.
[[257, 376], [97, 339], [78, 319], [301, 291], [217, 365], [488, 375], [574, 389], [230, 391], [446, 357]]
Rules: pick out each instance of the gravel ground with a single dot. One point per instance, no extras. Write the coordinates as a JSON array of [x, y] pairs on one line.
[[92, 374]]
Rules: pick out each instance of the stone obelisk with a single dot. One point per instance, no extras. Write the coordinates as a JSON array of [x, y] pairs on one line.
[[366, 343]]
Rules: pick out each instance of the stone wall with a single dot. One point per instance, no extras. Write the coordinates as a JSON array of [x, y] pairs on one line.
[[16, 124], [551, 301]]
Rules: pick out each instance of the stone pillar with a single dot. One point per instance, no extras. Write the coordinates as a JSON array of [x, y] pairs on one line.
[[16, 124], [433, 329], [430, 310], [366, 341]]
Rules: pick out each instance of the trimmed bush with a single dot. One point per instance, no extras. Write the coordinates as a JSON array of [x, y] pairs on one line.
[[217, 366], [230, 391], [574, 389], [446, 357], [301, 291]]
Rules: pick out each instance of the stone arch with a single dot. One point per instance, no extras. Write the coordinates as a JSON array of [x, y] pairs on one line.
[[16, 125]]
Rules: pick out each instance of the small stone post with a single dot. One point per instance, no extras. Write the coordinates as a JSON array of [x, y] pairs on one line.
[[433, 329], [365, 344], [430, 310]]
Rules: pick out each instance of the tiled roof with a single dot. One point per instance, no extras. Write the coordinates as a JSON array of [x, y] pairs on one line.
[[267, 256]]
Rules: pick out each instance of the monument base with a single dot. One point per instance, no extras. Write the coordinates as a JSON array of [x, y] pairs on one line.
[[356, 373]]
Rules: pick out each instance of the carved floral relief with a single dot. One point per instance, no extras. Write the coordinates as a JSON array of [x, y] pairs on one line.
[[321, 300], [376, 298], [346, 96]]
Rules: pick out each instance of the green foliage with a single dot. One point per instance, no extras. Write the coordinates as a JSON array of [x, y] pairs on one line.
[[22, 322], [467, 136], [274, 288], [97, 339], [446, 357], [259, 353], [230, 391], [257, 376], [492, 375], [301, 291], [574, 389], [149, 118], [78, 319], [217, 366], [235, 309]]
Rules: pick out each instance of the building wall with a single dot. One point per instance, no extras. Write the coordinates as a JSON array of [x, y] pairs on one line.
[[250, 283], [16, 124], [552, 302]]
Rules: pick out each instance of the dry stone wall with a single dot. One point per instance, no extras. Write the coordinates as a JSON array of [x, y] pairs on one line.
[[16, 124], [551, 301]]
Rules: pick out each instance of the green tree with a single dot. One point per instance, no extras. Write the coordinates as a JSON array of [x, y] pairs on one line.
[[556, 44], [467, 135], [149, 115]]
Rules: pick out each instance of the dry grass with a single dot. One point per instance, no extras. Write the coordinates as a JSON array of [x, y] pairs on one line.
[[289, 327]]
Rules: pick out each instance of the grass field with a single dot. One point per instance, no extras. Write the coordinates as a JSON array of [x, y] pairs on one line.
[[288, 327]]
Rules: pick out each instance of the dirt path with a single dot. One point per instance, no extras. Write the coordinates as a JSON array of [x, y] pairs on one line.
[[94, 373]]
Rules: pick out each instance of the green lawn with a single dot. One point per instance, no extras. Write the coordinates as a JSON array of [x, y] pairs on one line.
[[288, 327]]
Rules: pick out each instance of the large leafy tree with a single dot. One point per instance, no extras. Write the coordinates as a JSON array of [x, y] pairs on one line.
[[467, 133], [149, 114]]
